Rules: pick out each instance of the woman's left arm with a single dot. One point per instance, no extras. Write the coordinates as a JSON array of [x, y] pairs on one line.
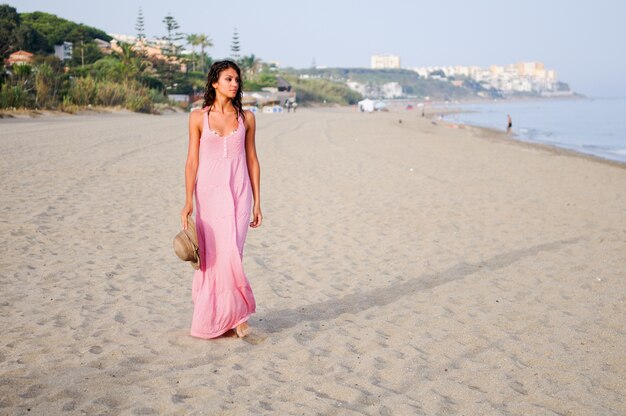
[[254, 170]]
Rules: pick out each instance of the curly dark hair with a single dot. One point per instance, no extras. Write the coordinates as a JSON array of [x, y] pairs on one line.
[[214, 75]]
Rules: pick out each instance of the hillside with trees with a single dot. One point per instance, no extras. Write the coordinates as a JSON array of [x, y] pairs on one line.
[[92, 77], [142, 75], [412, 84]]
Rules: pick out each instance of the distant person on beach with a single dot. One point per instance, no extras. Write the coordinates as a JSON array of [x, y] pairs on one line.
[[223, 172], [509, 123]]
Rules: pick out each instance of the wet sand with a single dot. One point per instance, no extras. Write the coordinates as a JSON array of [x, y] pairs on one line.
[[402, 268]]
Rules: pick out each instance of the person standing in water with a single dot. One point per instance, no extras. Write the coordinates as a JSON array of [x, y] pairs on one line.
[[509, 123]]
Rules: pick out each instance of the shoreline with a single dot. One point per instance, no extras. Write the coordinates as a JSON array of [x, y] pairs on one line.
[[502, 137], [518, 138], [493, 134]]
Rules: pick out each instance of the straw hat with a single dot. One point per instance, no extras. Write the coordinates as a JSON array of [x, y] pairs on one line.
[[186, 244]]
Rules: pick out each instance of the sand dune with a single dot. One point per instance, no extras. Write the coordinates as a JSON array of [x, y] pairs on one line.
[[402, 268]]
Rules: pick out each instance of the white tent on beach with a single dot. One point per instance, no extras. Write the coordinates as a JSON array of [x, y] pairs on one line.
[[366, 106]]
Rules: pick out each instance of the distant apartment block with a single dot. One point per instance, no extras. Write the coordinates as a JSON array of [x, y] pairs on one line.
[[386, 61], [63, 51], [524, 77], [529, 68]]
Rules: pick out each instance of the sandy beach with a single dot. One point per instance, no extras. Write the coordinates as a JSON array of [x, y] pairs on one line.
[[404, 267]]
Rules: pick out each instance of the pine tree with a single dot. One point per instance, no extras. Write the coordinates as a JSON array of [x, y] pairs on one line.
[[234, 47], [171, 49], [139, 27]]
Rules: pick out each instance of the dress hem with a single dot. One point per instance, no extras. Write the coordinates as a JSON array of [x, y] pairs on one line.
[[220, 332]]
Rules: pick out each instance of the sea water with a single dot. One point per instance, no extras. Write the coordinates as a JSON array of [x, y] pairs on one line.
[[591, 126]]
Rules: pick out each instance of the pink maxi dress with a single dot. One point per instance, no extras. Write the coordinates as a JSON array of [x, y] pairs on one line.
[[221, 292]]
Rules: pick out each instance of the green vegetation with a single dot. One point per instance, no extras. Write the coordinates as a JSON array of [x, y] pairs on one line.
[[323, 91], [42, 85], [260, 81], [127, 77]]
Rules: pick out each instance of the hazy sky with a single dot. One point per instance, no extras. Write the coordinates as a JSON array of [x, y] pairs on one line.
[[582, 40]]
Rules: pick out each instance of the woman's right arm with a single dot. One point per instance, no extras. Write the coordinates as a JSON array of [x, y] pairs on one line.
[[191, 167]]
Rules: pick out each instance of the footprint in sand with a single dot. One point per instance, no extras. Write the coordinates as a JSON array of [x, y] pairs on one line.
[[96, 349], [255, 338]]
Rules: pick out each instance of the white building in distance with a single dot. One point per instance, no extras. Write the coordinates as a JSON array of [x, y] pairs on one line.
[[524, 77], [386, 61], [63, 51]]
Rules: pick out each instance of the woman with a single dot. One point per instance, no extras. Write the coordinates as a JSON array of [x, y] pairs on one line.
[[223, 170]]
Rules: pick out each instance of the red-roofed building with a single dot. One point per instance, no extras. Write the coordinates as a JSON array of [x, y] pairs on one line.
[[19, 58]]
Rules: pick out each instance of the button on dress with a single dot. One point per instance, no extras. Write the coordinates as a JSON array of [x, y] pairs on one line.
[[221, 292]]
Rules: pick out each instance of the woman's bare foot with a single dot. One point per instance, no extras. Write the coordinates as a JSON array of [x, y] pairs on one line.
[[242, 329]]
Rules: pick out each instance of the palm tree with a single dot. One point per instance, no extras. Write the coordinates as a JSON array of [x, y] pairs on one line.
[[194, 40], [250, 65], [204, 41], [132, 61]]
